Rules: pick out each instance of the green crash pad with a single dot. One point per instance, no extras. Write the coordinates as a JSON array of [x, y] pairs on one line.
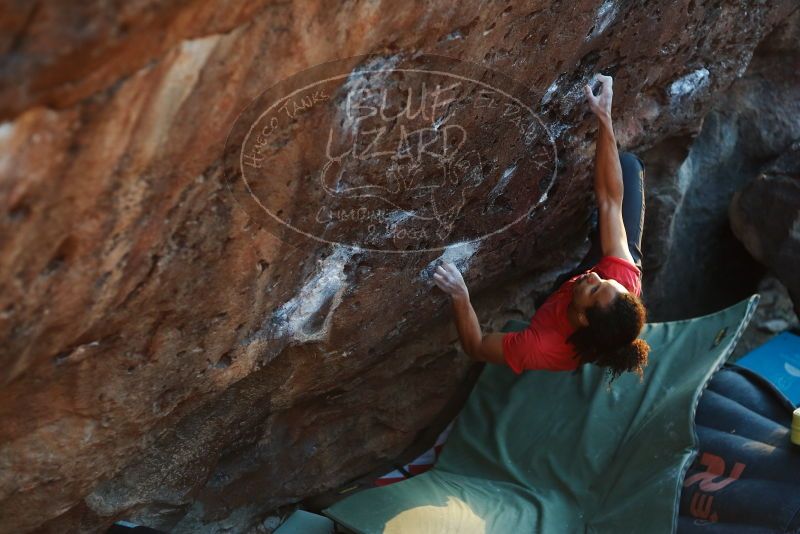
[[560, 452]]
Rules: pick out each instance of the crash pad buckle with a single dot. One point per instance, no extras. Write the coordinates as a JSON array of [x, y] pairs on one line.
[[720, 336]]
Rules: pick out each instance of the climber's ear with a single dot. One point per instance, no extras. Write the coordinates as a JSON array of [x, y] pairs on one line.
[[583, 320]]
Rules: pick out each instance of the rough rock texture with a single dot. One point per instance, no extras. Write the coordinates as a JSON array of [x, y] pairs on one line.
[[765, 216], [775, 314], [693, 264], [142, 376]]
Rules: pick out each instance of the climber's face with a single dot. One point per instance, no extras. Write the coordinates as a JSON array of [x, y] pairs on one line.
[[592, 290]]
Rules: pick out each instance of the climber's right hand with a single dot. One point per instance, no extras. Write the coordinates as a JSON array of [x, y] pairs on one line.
[[600, 104]]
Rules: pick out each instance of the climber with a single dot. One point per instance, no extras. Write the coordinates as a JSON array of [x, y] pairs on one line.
[[594, 316]]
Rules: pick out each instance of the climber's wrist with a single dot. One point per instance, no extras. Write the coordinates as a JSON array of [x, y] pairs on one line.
[[604, 117], [460, 298]]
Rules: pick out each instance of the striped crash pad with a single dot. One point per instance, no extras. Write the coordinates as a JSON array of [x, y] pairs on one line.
[[560, 452], [419, 465], [746, 476]]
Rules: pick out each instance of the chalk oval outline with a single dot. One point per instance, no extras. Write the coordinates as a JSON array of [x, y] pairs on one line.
[[542, 197]]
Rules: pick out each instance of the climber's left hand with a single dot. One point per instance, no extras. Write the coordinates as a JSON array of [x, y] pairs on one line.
[[449, 280], [600, 104]]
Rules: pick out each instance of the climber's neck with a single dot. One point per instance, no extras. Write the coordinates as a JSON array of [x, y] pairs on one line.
[[572, 316]]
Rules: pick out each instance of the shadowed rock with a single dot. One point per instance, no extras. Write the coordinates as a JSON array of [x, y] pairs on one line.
[[765, 216], [166, 360]]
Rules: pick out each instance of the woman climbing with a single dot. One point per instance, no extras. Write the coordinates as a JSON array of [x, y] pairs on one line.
[[594, 316]]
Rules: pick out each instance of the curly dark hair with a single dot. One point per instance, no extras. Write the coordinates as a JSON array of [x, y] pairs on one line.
[[610, 340]]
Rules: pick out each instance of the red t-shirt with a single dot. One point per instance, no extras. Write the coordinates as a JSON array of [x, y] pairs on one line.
[[543, 345]]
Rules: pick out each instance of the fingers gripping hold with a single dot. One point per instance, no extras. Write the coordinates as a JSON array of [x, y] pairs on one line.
[[448, 278], [601, 103]]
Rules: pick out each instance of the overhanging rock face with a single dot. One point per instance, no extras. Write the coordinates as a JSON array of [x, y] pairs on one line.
[[774, 240], [169, 359], [688, 246]]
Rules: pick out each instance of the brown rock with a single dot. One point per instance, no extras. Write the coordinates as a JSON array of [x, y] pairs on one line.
[[148, 371]]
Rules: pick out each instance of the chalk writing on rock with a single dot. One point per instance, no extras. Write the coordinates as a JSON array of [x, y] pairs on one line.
[[398, 154]]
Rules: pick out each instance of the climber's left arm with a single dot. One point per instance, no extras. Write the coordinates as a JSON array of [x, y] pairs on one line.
[[608, 184], [480, 347]]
